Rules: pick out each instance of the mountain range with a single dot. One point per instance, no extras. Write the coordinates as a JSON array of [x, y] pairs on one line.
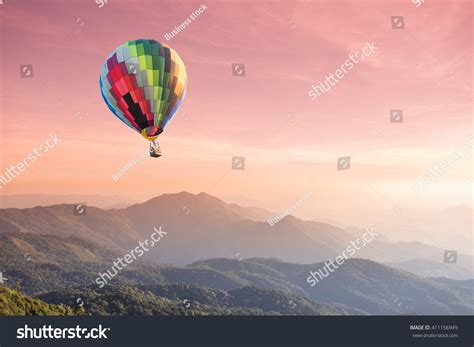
[[214, 258], [32, 200], [202, 226], [61, 270]]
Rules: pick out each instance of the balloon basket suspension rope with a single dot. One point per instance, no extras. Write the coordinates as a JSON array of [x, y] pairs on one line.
[[155, 150]]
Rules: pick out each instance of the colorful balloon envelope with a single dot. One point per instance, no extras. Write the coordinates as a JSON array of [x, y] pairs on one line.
[[143, 83]]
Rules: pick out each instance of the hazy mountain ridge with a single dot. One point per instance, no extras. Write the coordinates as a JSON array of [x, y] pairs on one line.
[[202, 226], [374, 287], [358, 287], [35, 200], [429, 268], [105, 227]]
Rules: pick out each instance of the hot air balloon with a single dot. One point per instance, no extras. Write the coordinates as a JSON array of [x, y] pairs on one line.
[[143, 83]]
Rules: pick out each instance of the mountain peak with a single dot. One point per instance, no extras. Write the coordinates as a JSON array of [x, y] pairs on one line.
[[184, 196]]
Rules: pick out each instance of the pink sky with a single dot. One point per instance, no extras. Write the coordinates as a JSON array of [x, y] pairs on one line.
[[426, 70]]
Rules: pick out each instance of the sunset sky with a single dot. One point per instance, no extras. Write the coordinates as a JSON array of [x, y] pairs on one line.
[[291, 143]]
